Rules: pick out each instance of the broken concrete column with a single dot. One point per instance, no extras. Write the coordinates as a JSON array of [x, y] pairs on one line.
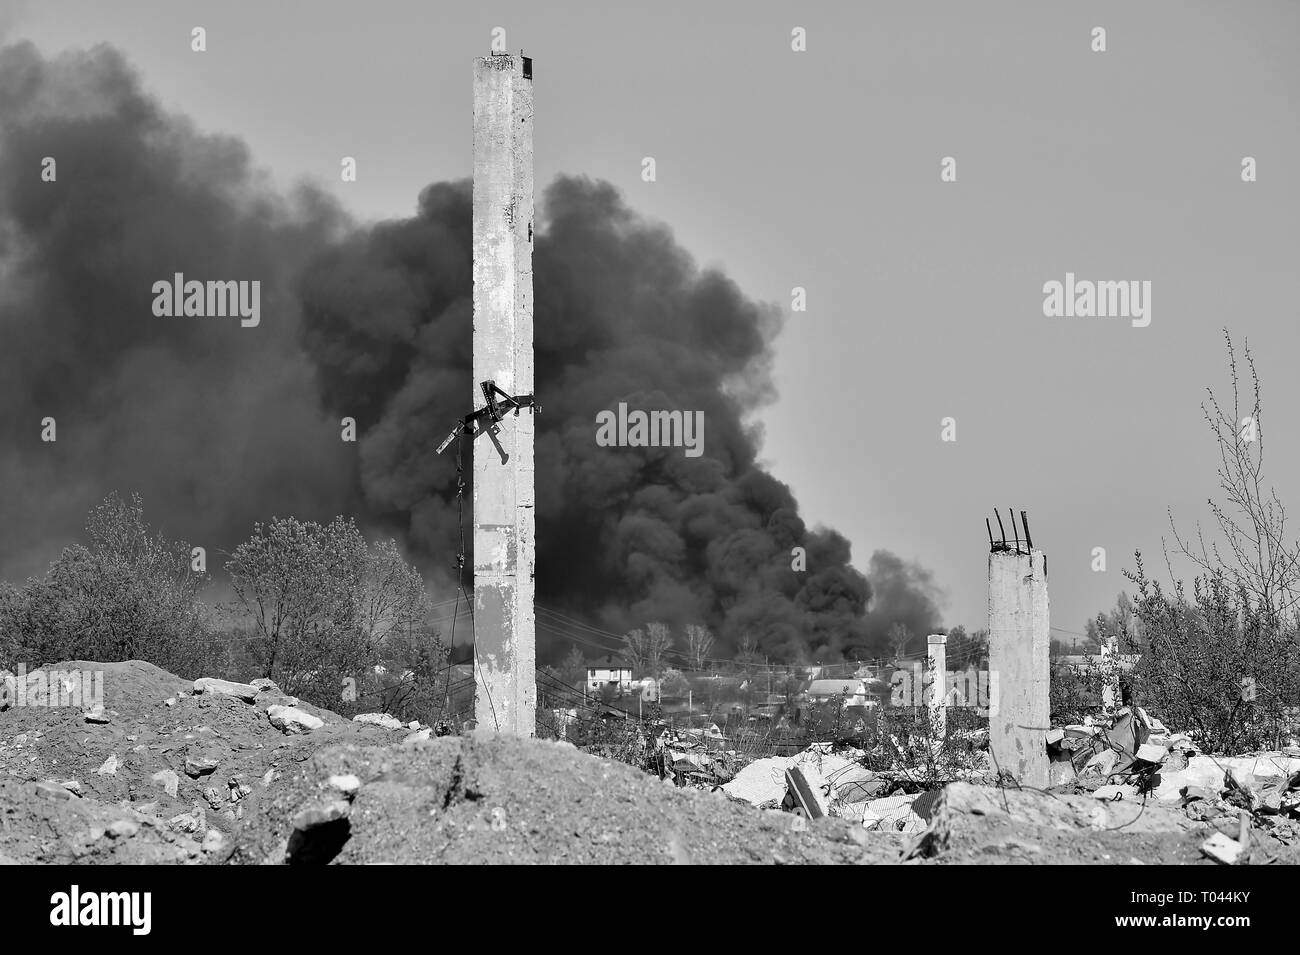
[[938, 667], [1019, 640], [505, 696]]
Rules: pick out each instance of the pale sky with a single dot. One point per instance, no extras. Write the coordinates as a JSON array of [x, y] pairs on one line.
[[821, 169]]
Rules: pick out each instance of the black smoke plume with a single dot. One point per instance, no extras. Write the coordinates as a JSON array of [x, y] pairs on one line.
[[218, 426]]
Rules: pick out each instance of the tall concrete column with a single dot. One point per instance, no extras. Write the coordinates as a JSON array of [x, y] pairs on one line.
[[1019, 640], [505, 696], [937, 649]]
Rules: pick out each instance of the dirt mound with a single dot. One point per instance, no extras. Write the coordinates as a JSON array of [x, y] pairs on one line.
[[159, 756], [164, 774], [236, 773], [484, 799]]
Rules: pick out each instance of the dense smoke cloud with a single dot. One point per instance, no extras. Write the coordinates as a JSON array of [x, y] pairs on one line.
[[215, 425], [218, 426]]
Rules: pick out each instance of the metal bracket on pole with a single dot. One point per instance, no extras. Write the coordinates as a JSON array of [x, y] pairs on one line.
[[484, 421]]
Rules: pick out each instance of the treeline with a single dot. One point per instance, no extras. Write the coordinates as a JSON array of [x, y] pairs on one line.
[[318, 609]]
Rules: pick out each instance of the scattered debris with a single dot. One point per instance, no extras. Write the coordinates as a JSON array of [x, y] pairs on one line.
[[244, 691], [196, 765], [290, 719], [169, 781], [1221, 849], [109, 766], [379, 719]]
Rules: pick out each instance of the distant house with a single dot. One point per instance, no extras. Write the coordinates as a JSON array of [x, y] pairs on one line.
[[852, 692], [611, 672]]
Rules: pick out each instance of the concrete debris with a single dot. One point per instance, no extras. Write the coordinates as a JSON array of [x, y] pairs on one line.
[[169, 781], [1221, 849], [109, 766], [292, 720], [122, 829], [966, 812], [96, 714], [186, 822], [52, 790], [892, 814], [214, 687], [347, 784], [379, 719], [761, 782], [1152, 753], [417, 736], [196, 765]]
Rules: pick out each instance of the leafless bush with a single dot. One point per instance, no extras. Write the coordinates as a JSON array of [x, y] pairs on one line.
[[1224, 662]]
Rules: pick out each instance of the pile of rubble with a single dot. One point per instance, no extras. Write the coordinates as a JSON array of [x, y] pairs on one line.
[[171, 771], [822, 782], [1138, 760], [154, 768]]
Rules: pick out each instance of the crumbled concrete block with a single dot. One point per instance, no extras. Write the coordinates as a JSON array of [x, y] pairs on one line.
[[1221, 849], [346, 784], [197, 765], [122, 829], [291, 720], [1151, 753], [169, 780], [212, 686], [379, 719], [109, 766]]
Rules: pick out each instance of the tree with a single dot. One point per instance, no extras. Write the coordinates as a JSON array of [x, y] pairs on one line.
[[298, 581], [1253, 548], [573, 668], [699, 641], [658, 641], [1216, 664], [392, 598], [1119, 624], [747, 656], [323, 601], [965, 650], [673, 683], [899, 638], [645, 648], [129, 594], [1223, 661], [634, 645]]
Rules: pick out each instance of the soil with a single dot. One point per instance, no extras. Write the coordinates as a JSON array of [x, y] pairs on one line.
[[207, 779]]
